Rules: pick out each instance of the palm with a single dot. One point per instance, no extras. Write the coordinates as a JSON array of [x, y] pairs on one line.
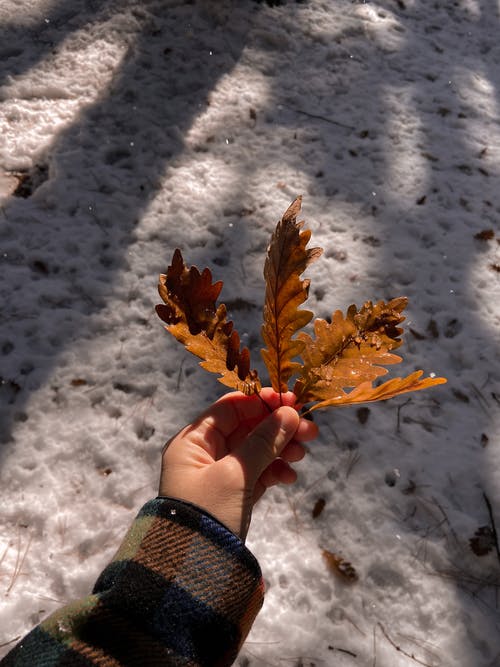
[[236, 449]]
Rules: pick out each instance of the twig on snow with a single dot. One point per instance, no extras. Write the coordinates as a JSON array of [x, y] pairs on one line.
[[343, 650], [446, 519], [493, 526], [483, 403], [398, 421], [2, 558], [179, 375], [318, 117], [19, 562], [353, 459], [401, 650]]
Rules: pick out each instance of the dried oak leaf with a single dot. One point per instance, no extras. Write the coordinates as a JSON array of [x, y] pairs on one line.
[[192, 316], [485, 235], [287, 258], [348, 353], [366, 393], [483, 541], [340, 566], [318, 508], [351, 352]]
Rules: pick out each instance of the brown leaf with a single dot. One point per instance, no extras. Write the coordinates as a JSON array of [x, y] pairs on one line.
[[287, 258], [485, 235], [483, 541], [363, 414], [348, 353], [78, 382], [365, 393], [318, 508], [192, 316], [350, 350], [339, 566]]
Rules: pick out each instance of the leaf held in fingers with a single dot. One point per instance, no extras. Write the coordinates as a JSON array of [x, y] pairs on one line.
[[340, 361], [287, 258], [192, 315], [349, 350], [365, 393]]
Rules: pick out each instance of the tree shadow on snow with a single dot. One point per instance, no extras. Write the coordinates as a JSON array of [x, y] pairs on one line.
[[122, 143], [393, 105], [101, 172]]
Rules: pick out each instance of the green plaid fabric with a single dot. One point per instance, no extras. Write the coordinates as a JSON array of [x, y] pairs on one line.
[[181, 590]]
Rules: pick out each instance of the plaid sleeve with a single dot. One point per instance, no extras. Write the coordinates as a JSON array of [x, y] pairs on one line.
[[181, 590]]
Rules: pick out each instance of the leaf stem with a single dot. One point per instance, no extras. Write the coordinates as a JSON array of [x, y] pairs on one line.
[[306, 412], [263, 401]]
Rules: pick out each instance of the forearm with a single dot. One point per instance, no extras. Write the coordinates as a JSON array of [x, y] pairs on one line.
[[182, 589]]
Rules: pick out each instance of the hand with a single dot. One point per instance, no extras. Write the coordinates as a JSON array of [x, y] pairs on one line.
[[226, 459]]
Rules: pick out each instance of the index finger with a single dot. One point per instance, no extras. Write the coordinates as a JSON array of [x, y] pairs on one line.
[[232, 409]]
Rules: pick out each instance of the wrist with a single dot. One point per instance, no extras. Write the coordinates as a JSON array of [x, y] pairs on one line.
[[202, 509]]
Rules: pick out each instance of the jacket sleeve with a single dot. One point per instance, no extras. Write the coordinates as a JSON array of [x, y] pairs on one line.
[[181, 590]]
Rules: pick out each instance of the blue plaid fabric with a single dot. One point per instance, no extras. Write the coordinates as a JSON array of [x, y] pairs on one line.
[[181, 590]]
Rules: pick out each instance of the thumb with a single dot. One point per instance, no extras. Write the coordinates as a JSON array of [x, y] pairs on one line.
[[266, 442]]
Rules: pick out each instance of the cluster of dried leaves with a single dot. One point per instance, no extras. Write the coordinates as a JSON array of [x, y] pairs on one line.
[[338, 365]]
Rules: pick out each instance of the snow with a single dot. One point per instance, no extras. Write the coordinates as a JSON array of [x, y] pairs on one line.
[[139, 128]]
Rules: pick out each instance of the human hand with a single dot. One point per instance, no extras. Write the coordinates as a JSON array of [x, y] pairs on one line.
[[225, 460]]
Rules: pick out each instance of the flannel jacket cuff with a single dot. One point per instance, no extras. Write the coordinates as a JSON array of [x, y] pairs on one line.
[[181, 590]]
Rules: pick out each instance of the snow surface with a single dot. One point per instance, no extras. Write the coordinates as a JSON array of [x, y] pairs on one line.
[[136, 128]]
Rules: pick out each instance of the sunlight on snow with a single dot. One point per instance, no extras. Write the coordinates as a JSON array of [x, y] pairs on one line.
[[406, 166], [467, 80], [241, 88], [482, 119], [34, 106], [383, 27]]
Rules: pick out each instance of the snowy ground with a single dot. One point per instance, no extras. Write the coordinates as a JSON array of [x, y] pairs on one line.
[[128, 129]]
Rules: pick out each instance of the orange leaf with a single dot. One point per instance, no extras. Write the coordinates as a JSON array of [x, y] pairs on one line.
[[193, 317], [349, 350], [366, 393], [287, 257], [348, 353]]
